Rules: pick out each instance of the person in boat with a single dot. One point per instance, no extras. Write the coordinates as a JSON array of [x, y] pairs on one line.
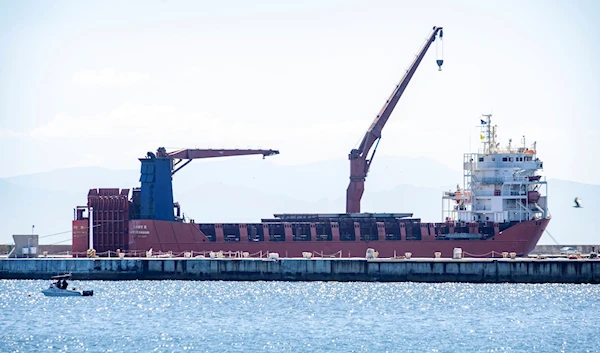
[[64, 284], [58, 284]]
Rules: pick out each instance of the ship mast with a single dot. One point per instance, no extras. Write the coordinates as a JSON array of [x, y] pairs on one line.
[[488, 134]]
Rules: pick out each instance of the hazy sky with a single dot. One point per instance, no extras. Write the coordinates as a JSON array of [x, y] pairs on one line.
[[102, 82]]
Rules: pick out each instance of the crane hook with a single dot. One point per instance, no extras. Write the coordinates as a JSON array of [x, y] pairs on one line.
[[440, 50]]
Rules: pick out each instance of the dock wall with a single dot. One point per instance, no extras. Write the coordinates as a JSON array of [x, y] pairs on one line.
[[384, 270], [555, 249]]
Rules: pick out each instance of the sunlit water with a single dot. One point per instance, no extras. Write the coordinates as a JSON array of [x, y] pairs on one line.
[[188, 316]]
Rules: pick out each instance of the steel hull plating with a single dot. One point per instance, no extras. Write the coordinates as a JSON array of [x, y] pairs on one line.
[[184, 237]]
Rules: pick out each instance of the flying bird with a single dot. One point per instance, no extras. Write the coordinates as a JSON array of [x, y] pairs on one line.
[[577, 203]]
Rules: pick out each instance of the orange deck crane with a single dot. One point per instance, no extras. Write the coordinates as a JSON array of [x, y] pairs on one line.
[[360, 162]]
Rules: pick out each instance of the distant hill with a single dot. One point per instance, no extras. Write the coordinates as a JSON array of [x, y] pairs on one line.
[[224, 203], [76, 179], [314, 181], [326, 179], [247, 189], [50, 211]]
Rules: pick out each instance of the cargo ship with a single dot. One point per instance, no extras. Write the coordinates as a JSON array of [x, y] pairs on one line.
[[501, 208]]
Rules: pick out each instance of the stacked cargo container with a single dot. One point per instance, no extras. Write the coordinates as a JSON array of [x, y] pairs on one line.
[[110, 218]]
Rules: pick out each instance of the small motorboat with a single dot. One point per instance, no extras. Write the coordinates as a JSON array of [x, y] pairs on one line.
[[59, 288]]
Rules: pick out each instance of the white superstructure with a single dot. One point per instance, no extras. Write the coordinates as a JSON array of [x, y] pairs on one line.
[[501, 184]]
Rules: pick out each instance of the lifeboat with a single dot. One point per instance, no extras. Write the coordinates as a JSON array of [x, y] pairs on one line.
[[462, 196], [533, 196]]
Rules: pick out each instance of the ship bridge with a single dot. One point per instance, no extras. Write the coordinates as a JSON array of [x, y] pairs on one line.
[[500, 184]]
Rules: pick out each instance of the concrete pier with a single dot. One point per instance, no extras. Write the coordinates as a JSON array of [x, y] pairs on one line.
[[358, 269]]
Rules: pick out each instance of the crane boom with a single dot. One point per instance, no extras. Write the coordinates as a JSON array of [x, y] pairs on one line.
[[189, 154], [155, 196], [210, 153], [359, 163]]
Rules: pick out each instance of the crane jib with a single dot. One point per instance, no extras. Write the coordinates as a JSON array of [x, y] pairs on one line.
[[359, 164]]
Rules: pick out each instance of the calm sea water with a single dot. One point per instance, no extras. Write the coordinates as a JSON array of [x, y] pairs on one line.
[[186, 316]]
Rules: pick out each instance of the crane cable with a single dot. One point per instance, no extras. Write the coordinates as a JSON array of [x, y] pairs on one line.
[[552, 237], [70, 230], [58, 242]]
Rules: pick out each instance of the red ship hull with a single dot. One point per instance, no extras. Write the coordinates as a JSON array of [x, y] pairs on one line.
[[291, 235], [179, 237]]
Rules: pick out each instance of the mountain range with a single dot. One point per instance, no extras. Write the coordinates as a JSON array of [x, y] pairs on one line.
[[246, 189]]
